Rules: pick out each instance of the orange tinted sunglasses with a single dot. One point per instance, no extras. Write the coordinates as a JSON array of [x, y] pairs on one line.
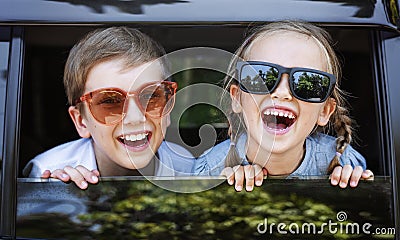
[[107, 105]]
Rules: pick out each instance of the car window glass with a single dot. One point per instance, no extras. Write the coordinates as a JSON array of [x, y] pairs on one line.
[[47, 49]]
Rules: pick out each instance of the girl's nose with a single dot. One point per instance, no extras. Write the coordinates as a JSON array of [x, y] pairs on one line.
[[133, 113], [282, 91]]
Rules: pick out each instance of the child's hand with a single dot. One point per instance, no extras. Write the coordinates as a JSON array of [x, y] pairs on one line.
[[341, 175], [79, 175], [237, 174]]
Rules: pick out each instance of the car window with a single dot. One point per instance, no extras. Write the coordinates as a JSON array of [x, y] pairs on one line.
[[47, 49], [132, 207], [4, 49]]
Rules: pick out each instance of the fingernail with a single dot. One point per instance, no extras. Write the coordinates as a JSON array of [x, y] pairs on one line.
[[64, 175], [353, 183], [342, 184], [238, 188], [334, 182], [230, 181], [84, 184], [249, 188], [94, 179], [258, 183]]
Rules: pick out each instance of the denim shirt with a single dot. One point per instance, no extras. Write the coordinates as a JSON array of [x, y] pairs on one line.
[[320, 150]]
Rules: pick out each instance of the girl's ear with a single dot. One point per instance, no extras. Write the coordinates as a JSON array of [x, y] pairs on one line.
[[79, 122], [326, 112], [235, 96]]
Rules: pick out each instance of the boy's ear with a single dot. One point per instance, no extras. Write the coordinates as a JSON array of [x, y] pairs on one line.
[[235, 96], [326, 112], [79, 122]]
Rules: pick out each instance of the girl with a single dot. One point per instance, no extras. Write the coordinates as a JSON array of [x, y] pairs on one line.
[[284, 87]]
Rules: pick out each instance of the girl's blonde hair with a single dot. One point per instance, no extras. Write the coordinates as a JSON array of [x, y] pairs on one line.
[[341, 122]]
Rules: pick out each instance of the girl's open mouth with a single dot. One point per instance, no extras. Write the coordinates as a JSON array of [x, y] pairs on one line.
[[278, 121], [136, 142]]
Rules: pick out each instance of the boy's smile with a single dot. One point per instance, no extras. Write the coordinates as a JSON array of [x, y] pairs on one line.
[[136, 142], [132, 142]]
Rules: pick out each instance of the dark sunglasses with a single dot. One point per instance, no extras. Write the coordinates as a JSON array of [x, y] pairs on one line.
[[305, 84], [108, 105]]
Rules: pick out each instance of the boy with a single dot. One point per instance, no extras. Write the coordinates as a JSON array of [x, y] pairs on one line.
[[119, 137]]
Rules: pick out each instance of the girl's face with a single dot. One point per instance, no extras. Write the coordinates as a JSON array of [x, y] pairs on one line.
[[287, 49], [132, 142]]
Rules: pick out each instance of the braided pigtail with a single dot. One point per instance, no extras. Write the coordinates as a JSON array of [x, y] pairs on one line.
[[342, 126], [235, 131]]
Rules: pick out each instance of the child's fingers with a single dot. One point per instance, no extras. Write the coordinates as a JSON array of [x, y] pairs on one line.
[[88, 175], [265, 171], [346, 173], [96, 172], [355, 176], [76, 177], [335, 176], [229, 174], [259, 174], [46, 174], [239, 177], [367, 175], [60, 174], [249, 175]]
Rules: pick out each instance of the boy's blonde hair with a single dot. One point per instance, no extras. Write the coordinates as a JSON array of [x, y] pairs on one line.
[[122, 43], [340, 120]]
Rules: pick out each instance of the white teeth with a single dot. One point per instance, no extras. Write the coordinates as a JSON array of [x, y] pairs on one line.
[[280, 113], [135, 137]]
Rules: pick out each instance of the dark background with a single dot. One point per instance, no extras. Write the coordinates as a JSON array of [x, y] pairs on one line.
[[46, 123]]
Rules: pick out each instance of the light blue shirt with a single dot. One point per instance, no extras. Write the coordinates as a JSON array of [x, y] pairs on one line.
[[174, 159], [320, 150]]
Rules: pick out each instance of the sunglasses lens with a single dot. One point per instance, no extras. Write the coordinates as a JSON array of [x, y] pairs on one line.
[[158, 100], [107, 106], [310, 87], [258, 78]]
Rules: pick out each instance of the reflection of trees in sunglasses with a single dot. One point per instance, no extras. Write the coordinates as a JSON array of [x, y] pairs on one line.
[[310, 85], [260, 79], [271, 78]]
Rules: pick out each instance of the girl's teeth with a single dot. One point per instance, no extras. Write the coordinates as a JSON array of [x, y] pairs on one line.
[[280, 113]]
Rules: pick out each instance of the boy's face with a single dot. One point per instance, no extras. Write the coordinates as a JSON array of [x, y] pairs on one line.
[[145, 133], [289, 50]]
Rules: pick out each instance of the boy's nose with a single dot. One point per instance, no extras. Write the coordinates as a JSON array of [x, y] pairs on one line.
[[282, 91], [133, 113]]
